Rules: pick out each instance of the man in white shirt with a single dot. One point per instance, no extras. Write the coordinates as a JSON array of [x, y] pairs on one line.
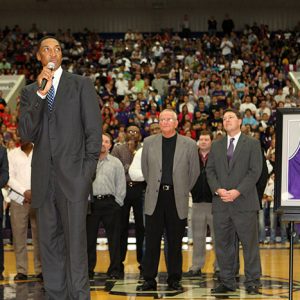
[[157, 51], [19, 160], [226, 47], [121, 86], [248, 104]]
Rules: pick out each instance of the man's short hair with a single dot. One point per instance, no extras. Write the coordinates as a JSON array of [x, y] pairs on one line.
[[170, 110], [133, 125], [109, 136], [236, 112], [46, 37], [207, 132]]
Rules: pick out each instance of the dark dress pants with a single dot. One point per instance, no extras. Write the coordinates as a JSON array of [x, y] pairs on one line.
[[164, 217], [134, 198], [62, 235], [108, 211], [228, 226]]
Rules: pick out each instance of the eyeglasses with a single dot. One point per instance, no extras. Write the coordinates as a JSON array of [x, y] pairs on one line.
[[167, 120], [133, 131]]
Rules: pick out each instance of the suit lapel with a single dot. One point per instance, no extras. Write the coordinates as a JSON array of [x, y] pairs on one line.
[[224, 152], [61, 89], [180, 145], [158, 150]]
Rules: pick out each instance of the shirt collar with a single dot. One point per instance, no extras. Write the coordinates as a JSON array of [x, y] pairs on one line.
[[56, 77], [107, 157], [236, 138]]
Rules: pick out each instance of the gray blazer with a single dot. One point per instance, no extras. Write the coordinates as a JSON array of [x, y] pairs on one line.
[[186, 170], [69, 138], [242, 173]]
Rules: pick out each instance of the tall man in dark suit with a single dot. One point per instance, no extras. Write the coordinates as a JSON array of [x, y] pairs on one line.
[[233, 169], [66, 132], [4, 176], [170, 168]]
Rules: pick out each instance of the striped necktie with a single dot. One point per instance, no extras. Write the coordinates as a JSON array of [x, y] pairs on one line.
[[50, 97]]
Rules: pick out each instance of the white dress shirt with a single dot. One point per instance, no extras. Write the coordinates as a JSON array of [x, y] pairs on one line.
[[19, 170], [135, 169]]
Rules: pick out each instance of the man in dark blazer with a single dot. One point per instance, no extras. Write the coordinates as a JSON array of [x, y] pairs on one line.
[[66, 132], [233, 169], [4, 176], [170, 167]]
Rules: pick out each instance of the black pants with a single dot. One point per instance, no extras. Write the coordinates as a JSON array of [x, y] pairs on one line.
[[164, 217], [108, 211], [134, 198]]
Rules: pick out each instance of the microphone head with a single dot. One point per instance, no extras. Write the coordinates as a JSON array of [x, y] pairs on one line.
[[51, 65]]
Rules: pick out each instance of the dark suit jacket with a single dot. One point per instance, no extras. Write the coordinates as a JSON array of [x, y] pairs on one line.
[[186, 170], [263, 179], [4, 175], [68, 138], [242, 173]]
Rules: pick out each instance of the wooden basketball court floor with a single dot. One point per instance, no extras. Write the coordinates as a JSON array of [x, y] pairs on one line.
[[275, 270]]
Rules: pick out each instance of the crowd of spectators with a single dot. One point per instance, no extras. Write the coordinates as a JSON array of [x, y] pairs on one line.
[[199, 77]]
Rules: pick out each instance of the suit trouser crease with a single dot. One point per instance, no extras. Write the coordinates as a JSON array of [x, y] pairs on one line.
[[62, 229], [243, 224]]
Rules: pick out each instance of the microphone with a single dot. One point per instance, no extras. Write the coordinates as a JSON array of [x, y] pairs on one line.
[[50, 66]]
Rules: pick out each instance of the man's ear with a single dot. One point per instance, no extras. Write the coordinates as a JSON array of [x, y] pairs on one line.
[[38, 56]]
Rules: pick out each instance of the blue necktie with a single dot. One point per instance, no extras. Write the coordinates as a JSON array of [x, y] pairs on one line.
[[230, 150], [50, 97]]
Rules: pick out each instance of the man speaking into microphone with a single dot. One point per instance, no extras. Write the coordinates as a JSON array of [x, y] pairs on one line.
[[61, 116]]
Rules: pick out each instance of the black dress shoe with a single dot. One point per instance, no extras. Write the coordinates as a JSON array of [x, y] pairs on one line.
[[114, 275], [192, 273], [220, 289], [175, 286], [147, 286], [216, 275], [20, 276], [252, 290], [39, 276]]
